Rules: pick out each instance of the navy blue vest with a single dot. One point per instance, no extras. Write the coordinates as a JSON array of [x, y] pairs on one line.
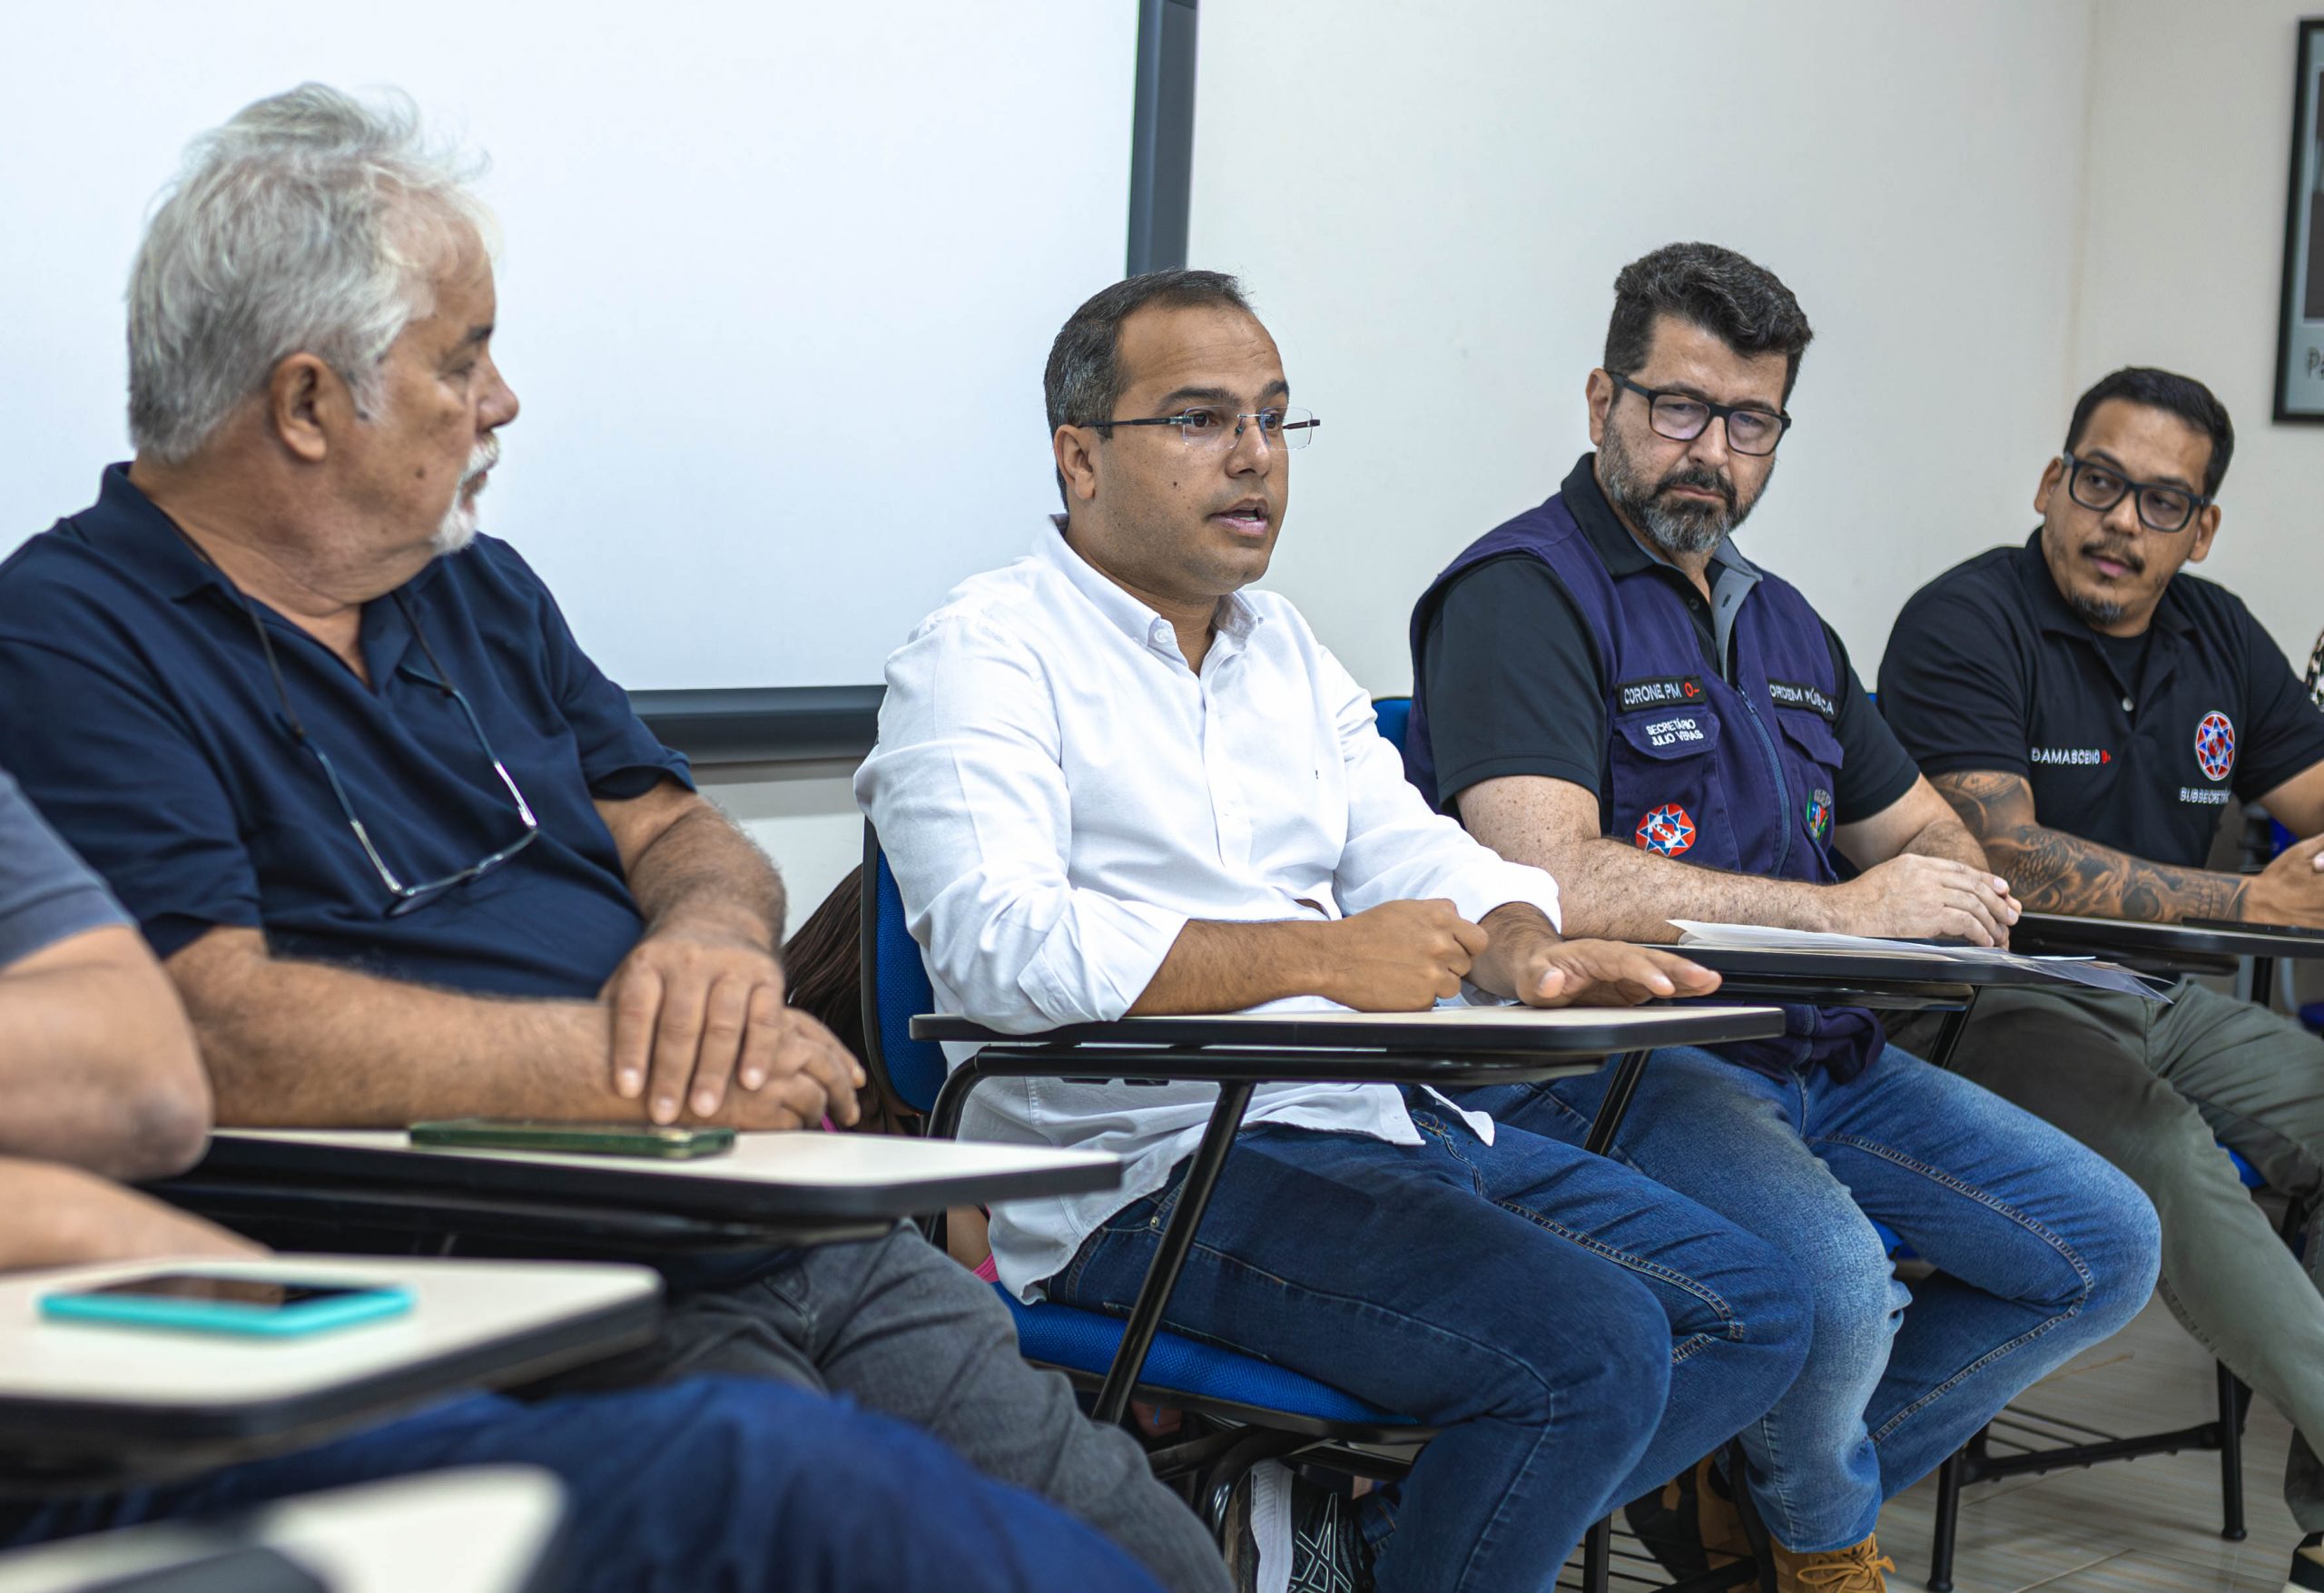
[[1737, 777]]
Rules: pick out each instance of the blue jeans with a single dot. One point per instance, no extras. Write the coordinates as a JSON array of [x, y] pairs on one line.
[[732, 1484], [2041, 1249], [1576, 1332]]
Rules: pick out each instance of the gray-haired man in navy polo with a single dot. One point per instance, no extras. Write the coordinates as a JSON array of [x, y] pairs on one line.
[[2089, 708], [405, 851]]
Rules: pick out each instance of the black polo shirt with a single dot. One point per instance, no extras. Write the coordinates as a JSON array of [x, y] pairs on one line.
[[2134, 745], [1511, 660]]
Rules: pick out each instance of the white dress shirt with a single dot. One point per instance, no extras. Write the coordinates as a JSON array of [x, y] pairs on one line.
[[1058, 793]]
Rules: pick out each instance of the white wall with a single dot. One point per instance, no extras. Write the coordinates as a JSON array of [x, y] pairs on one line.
[[1430, 204], [777, 285], [2191, 131]]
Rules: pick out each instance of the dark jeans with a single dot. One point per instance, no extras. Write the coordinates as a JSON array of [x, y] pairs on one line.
[[734, 1485], [1579, 1332], [902, 1329], [2042, 1251]]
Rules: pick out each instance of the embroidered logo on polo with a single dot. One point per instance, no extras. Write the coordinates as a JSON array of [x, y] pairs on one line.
[[2215, 745], [2072, 757], [1658, 692], [1666, 830], [1819, 812], [1798, 694]]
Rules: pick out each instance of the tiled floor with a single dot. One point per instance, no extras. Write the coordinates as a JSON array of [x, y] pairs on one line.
[[2148, 1526]]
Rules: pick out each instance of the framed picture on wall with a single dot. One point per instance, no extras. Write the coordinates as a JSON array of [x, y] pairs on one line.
[[2300, 341]]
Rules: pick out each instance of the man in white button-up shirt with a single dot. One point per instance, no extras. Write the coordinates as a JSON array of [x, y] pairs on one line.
[[1111, 781]]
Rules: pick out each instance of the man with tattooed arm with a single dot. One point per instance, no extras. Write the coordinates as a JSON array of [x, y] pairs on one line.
[[2089, 710]]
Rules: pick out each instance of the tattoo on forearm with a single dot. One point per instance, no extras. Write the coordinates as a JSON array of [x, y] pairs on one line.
[[2054, 871]]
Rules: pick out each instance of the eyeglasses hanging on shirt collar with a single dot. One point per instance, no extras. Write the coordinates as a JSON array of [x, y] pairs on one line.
[[401, 898]]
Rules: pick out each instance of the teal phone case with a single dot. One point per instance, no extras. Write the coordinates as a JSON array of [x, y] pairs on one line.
[[218, 1316]]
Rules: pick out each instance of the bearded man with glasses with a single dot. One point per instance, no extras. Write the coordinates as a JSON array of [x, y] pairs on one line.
[[405, 851], [1606, 688], [2089, 708]]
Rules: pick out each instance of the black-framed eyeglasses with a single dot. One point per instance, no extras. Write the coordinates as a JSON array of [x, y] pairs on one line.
[[1212, 430], [401, 898], [1682, 417], [2161, 507]]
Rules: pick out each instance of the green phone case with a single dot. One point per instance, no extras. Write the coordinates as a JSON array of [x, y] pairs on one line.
[[596, 1139]]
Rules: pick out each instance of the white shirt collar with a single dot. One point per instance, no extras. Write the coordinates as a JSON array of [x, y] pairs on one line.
[[1235, 619]]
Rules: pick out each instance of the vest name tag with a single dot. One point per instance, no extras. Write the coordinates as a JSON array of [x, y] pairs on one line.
[[1796, 694], [1658, 692], [1670, 733]]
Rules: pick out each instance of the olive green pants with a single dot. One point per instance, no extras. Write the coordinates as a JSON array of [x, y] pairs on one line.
[[2151, 1088]]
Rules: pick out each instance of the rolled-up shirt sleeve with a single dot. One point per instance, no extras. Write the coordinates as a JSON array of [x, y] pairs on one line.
[[1398, 849], [967, 791]]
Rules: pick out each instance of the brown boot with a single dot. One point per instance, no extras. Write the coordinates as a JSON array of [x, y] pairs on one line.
[[1855, 1569], [1688, 1525]]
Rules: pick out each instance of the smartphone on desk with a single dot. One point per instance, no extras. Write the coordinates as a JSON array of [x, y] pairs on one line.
[[206, 1302], [674, 1143]]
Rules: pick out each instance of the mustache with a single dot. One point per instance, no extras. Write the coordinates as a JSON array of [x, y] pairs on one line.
[[1700, 478], [487, 456], [2117, 553]]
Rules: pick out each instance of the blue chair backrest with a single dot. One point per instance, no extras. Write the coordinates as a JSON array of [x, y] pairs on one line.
[[895, 989], [1395, 717]]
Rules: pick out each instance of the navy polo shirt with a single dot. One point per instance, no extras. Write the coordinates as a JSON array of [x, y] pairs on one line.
[[137, 710], [2134, 745]]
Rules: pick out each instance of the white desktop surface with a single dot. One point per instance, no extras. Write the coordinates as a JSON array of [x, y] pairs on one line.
[[458, 1305], [800, 1158], [480, 1529]]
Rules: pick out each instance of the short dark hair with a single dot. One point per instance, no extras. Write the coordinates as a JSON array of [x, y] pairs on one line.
[[1745, 306], [2182, 396], [1083, 379]]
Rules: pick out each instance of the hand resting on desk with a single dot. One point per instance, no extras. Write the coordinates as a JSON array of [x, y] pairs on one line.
[[1405, 957]]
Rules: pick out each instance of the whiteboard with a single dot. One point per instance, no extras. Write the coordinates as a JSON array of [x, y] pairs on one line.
[[776, 285]]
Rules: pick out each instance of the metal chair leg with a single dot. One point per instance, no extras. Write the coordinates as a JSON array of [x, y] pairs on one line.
[[1598, 1557], [2231, 1455], [1622, 1083], [1949, 1525], [1203, 1169]]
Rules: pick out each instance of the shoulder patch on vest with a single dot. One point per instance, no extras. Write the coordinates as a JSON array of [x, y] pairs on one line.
[[1797, 694], [1668, 830], [1657, 691]]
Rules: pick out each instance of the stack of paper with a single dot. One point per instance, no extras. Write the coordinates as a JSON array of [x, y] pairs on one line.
[[2072, 970]]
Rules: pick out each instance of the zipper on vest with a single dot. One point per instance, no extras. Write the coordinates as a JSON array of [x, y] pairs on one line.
[[1783, 789]]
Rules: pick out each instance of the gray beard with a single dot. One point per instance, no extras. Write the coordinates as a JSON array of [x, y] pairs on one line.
[[1679, 530]]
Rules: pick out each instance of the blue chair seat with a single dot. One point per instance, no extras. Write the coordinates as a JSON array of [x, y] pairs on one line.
[[2246, 1170], [1394, 715], [1084, 1341]]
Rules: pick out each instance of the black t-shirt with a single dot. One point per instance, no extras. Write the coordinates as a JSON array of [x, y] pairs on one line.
[[1508, 645], [1989, 669]]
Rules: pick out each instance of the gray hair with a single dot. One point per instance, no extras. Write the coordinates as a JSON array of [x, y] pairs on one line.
[[310, 223]]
